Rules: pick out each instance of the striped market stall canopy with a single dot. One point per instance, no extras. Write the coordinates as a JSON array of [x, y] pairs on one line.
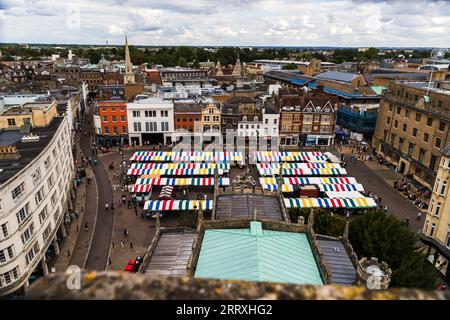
[[298, 165], [308, 181], [349, 203], [303, 172], [223, 166], [174, 205], [187, 156], [144, 184], [274, 187], [322, 187], [274, 156], [174, 172]]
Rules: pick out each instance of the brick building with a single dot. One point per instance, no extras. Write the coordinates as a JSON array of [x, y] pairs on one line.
[[413, 126]]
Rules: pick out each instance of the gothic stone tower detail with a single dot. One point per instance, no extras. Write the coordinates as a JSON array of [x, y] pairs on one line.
[[129, 76]]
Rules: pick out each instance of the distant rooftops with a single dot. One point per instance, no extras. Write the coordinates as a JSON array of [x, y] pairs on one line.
[[424, 86], [337, 76], [304, 63]]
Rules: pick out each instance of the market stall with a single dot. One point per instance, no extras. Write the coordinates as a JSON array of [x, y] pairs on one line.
[[349, 203], [174, 205]]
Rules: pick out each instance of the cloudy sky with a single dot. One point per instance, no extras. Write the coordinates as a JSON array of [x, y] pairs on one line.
[[228, 22]]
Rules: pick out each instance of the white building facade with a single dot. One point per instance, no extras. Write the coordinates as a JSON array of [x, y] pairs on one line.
[[33, 205], [150, 121]]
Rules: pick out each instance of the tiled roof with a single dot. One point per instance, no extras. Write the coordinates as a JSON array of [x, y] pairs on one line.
[[255, 254]]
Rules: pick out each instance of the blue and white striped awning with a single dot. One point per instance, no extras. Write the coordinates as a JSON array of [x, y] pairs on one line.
[[175, 205]]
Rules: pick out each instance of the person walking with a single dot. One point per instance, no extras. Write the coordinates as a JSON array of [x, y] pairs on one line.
[[419, 216], [385, 209], [122, 243], [407, 221], [86, 227]]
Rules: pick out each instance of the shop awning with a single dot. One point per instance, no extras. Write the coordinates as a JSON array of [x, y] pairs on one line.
[[280, 156], [350, 203], [223, 166], [141, 183], [274, 187], [309, 180], [341, 187], [303, 172], [298, 165], [175, 205], [174, 172], [187, 156]]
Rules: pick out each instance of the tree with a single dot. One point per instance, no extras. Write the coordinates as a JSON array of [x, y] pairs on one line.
[[376, 234], [294, 213], [182, 62], [328, 224], [290, 66]]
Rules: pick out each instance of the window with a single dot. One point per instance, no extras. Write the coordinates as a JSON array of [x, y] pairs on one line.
[[4, 230], [307, 118], [404, 127], [433, 161], [26, 236], [444, 185], [53, 198], [439, 104], [433, 226], [407, 112], [206, 118], [164, 126], [388, 120], [137, 126], [441, 126], [11, 122], [418, 117], [391, 107], [438, 209], [47, 232], [396, 124], [122, 118], [429, 122], [36, 176], [17, 191], [115, 130], [437, 143], [150, 113], [399, 110], [414, 132], [23, 214], [113, 109], [50, 181], [7, 254], [114, 119], [421, 155], [39, 196], [426, 136], [34, 251], [43, 215], [47, 162], [447, 243], [124, 129], [105, 119], [410, 149], [215, 118], [136, 114], [7, 277], [164, 113], [106, 129], [151, 126]]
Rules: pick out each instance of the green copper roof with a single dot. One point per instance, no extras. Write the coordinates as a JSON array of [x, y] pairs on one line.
[[378, 89], [255, 254]]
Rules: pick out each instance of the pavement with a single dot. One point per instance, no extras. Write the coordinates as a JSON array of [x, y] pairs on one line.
[[380, 180]]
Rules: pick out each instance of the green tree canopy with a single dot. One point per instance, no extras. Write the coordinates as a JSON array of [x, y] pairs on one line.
[[328, 224], [291, 66], [376, 234]]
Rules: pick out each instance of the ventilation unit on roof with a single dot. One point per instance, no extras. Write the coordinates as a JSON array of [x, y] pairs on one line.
[[30, 138]]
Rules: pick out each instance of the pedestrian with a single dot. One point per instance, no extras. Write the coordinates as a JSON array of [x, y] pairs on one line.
[[122, 243], [86, 227], [131, 245], [419, 216], [407, 221], [68, 253], [385, 209], [109, 260], [125, 232], [135, 211]]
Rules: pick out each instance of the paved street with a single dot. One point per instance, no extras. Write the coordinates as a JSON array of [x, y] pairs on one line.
[[99, 248], [380, 180]]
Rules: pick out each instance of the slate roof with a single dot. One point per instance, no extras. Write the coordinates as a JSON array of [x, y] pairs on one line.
[[172, 253], [337, 76], [255, 254], [243, 205], [336, 258]]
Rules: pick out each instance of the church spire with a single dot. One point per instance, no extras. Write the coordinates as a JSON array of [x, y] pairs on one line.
[[129, 76]]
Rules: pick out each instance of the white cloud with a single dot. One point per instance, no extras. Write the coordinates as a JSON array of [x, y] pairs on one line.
[[233, 22]]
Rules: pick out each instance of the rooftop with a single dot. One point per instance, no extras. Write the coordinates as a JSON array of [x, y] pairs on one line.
[[243, 206], [424, 86], [337, 76], [336, 257], [28, 151], [26, 108], [446, 151], [254, 254]]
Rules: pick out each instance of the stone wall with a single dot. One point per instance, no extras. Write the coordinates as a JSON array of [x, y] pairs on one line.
[[114, 285]]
